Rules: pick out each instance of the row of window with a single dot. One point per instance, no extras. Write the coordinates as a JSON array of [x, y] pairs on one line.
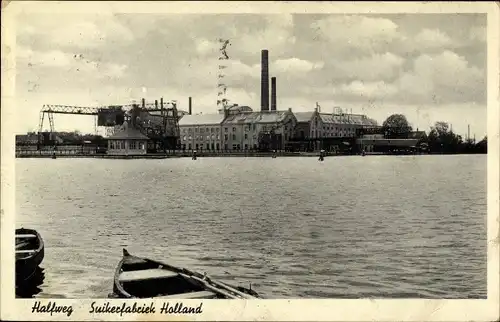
[[215, 147], [121, 145], [217, 130], [246, 136], [247, 129], [201, 130], [329, 134], [208, 137], [200, 137], [331, 128]]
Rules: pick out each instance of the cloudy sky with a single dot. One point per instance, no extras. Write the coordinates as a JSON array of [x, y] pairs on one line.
[[429, 67]]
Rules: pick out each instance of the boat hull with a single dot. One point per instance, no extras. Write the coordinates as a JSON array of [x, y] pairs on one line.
[[30, 252], [137, 277]]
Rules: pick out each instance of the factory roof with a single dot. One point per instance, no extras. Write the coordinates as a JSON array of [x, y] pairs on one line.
[[128, 133], [303, 116], [417, 134], [27, 138], [347, 119], [166, 112], [240, 108], [257, 117], [201, 119], [389, 142]]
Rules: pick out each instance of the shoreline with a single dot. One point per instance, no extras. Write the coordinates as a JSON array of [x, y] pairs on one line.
[[208, 155], [169, 156]]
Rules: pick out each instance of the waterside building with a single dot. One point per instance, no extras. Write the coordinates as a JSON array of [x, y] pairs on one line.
[[201, 132], [315, 130], [127, 141], [237, 128]]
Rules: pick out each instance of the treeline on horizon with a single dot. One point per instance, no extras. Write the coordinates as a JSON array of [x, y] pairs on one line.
[[74, 138], [440, 139]]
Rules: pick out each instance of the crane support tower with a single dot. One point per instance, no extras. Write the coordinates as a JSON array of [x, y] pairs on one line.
[[222, 101], [47, 138]]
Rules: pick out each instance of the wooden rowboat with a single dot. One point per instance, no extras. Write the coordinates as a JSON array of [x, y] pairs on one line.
[[29, 253], [137, 277]]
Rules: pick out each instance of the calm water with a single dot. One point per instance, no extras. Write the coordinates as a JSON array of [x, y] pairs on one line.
[[350, 227]]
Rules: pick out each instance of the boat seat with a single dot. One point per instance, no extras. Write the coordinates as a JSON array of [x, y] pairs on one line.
[[26, 236], [22, 244], [146, 274], [190, 295], [25, 251]]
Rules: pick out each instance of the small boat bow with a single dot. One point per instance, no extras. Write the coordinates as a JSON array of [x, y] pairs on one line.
[[137, 277]]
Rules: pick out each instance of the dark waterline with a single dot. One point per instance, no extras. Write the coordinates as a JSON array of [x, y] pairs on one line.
[[350, 227]]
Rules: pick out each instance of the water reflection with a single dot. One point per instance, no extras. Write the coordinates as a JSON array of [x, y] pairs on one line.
[[29, 288]]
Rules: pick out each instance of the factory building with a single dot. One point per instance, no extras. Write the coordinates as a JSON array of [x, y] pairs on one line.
[[127, 141], [317, 130], [248, 130], [201, 132], [237, 128]]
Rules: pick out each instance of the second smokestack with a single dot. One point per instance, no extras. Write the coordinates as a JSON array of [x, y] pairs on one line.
[[273, 93], [264, 81], [190, 107]]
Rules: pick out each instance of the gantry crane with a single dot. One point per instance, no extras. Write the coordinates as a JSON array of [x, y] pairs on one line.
[[167, 133]]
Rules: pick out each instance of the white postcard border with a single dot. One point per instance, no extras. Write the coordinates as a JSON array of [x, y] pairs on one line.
[[279, 310]]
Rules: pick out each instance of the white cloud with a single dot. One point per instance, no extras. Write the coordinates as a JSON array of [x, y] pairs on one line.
[[276, 36], [370, 68], [52, 58], [67, 62], [448, 69], [114, 70], [206, 47], [237, 68], [442, 74], [296, 65], [80, 31], [364, 33], [432, 38], [368, 90]]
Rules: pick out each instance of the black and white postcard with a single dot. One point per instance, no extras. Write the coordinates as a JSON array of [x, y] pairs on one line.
[[250, 161]]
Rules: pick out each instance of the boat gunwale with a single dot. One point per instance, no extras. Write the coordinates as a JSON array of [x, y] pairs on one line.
[[36, 251], [117, 282], [192, 276], [185, 273]]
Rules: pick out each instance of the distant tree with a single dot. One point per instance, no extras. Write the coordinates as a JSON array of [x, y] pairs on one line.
[[482, 146], [441, 128], [396, 125], [442, 139]]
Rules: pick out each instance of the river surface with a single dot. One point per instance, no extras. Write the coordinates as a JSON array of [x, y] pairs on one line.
[[348, 227]]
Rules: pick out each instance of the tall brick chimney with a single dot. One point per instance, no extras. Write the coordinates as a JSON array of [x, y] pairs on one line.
[[273, 93], [264, 81], [190, 107]]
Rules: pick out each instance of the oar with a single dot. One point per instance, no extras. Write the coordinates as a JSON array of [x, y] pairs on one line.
[[232, 289], [210, 287], [227, 287]]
